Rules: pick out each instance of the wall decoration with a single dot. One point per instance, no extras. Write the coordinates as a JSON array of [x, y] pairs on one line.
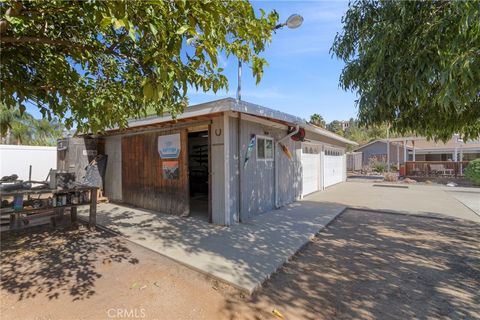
[[248, 153], [169, 146], [170, 170], [286, 151]]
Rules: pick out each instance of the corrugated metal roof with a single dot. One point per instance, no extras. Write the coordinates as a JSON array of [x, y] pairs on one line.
[[230, 104]]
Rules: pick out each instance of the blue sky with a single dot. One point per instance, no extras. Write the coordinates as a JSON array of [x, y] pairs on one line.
[[302, 77]]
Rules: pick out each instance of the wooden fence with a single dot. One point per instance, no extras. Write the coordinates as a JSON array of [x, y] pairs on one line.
[[435, 168]]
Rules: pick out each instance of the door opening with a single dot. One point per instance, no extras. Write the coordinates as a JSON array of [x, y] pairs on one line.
[[198, 160]]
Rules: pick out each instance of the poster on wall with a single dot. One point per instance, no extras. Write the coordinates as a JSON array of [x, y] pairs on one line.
[[170, 170], [169, 146]]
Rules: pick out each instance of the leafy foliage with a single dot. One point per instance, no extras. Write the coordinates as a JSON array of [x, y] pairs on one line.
[[96, 64], [414, 64], [378, 166], [22, 128], [317, 120], [472, 172], [336, 127]]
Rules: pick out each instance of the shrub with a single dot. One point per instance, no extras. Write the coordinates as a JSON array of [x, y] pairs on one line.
[[379, 167], [472, 172]]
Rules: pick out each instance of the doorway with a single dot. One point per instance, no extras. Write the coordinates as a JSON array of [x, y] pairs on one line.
[[198, 168]]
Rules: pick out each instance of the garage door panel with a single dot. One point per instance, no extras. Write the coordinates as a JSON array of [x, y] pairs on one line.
[[334, 167], [310, 168], [311, 173]]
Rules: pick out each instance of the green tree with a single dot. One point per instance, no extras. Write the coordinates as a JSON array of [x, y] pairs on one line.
[[23, 128], [317, 120], [414, 64], [336, 127], [46, 132], [95, 64]]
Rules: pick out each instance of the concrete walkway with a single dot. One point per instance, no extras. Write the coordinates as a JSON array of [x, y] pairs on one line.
[[428, 200], [243, 255]]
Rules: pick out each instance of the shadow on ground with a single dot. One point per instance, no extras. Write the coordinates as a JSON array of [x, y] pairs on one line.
[[370, 265], [243, 254], [42, 261]]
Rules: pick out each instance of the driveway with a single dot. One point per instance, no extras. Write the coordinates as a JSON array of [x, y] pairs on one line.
[[430, 200]]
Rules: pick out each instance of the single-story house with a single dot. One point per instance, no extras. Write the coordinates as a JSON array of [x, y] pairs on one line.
[[225, 160], [419, 149], [377, 150], [449, 151]]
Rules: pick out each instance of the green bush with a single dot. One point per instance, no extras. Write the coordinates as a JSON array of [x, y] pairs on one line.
[[472, 172], [380, 167]]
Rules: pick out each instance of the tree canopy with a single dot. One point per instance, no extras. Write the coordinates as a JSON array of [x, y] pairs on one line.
[[317, 120], [336, 127], [414, 65], [96, 64], [23, 128]]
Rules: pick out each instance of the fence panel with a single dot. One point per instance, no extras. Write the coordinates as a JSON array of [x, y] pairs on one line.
[[435, 168], [16, 159], [354, 161]]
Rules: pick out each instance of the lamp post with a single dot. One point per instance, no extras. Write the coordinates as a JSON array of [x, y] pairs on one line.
[[293, 22]]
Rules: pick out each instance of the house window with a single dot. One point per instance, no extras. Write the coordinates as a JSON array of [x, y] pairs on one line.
[[264, 148]]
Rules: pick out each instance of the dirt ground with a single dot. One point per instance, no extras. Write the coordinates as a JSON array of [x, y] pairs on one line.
[[365, 265]]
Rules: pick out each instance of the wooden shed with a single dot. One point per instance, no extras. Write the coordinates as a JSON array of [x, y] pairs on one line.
[[225, 160]]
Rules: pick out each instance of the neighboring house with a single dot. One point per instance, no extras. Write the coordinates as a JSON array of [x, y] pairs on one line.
[[419, 149], [345, 125], [224, 160], [377, 150], [449, 151]]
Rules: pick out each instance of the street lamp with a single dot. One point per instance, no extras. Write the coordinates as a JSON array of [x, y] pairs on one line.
[[293, 22]]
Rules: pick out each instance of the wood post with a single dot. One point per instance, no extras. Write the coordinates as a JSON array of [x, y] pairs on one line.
[[92, 219], [73, 215]]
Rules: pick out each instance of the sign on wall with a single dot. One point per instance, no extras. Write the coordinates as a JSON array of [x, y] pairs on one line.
[[170, 170], [169, 146]]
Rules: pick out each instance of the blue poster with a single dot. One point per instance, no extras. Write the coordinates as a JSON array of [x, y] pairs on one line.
[[169, 146]]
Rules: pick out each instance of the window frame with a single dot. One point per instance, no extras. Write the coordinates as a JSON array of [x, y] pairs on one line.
[[265, 148]]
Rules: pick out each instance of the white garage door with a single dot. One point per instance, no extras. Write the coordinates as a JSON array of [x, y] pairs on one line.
[[334, 167], [310, 168]]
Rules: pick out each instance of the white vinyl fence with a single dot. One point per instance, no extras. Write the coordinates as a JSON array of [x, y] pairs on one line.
[[15, 159], [354, 161]]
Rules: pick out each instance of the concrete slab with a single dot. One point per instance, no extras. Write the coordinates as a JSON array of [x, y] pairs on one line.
[[428, 200], [244, 255], [470, 199]]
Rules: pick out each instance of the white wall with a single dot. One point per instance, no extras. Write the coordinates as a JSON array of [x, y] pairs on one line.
[[219, 155], [16, 159]]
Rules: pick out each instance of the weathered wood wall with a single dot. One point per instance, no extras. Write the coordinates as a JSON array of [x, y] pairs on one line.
[[143, 184]]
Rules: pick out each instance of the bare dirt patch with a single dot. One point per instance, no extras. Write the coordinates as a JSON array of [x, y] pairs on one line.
[[365, 265], [380, 266]]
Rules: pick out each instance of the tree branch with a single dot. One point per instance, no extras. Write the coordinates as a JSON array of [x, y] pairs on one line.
[[66, 43]]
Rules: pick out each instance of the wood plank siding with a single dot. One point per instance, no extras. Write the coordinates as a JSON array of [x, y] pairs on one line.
[[143, 184]]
